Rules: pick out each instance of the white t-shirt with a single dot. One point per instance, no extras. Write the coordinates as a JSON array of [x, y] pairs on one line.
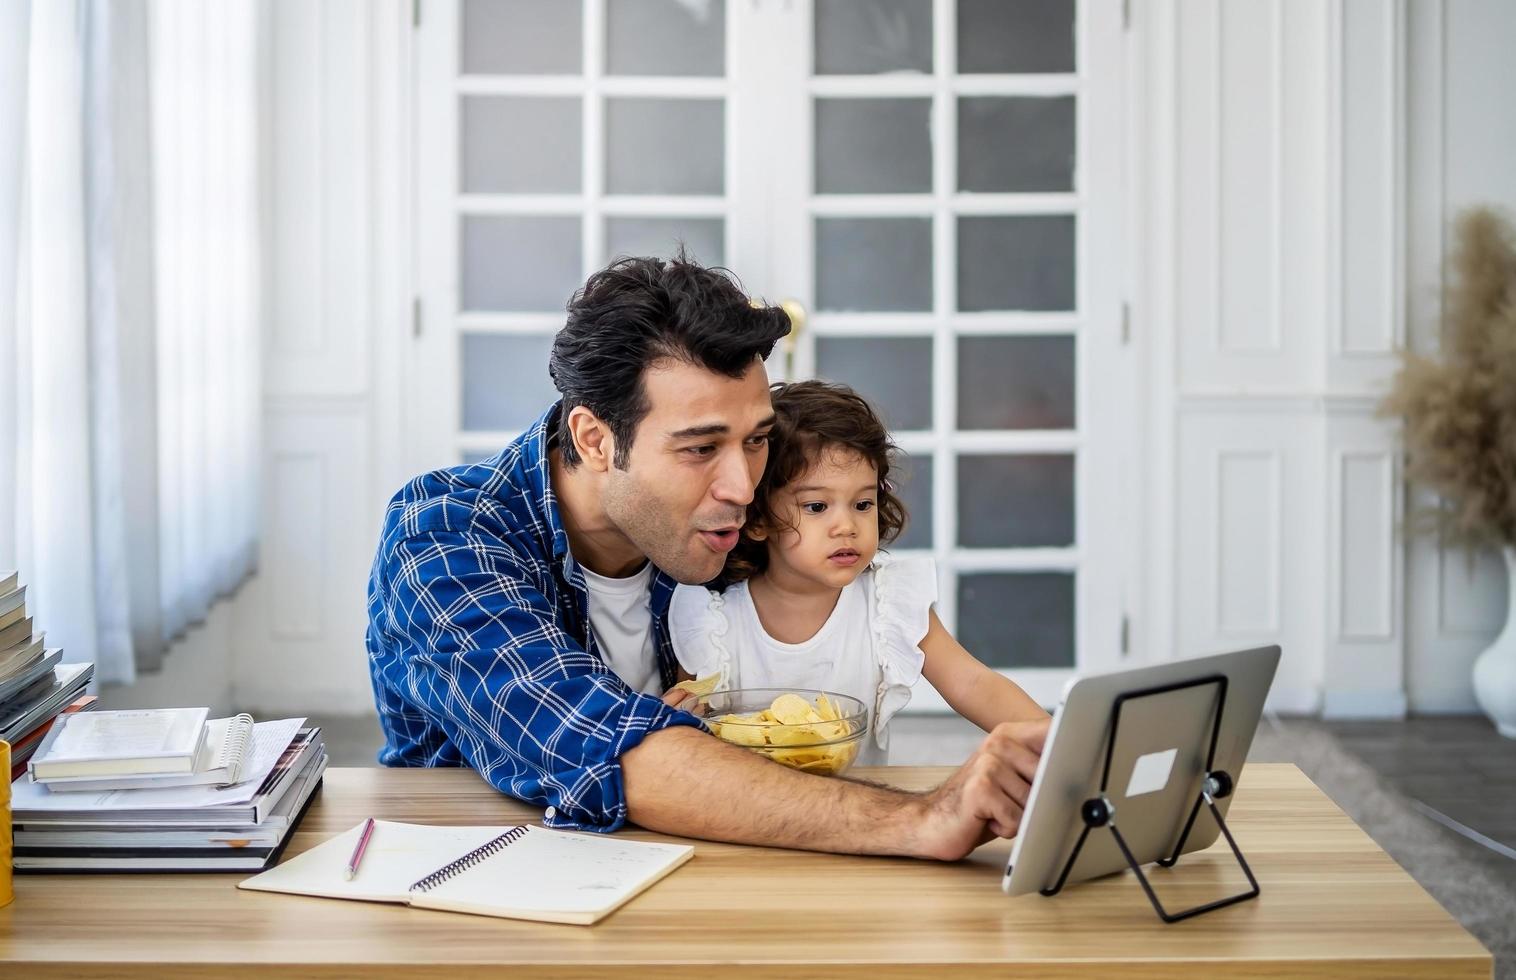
[[623, 625], [868, 647]]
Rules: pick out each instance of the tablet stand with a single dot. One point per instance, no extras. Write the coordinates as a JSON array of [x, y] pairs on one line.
[[1099, 812]]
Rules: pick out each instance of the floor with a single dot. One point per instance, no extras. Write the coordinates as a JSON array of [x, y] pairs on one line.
[[1437, 793]]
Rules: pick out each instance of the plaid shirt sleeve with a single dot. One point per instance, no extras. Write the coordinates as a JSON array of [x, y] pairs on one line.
[[479, 651]]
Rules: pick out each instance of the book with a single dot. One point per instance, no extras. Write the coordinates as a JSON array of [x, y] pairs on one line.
[[19, 658], [123, 849], [221, 760], [57, 686], [26, 744], [280, 750], [119, 743], [19, 684], [16, 634], [509, 872], [12, 607], [10, 581]]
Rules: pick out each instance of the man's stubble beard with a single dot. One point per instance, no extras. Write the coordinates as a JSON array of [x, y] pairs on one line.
[[642, 517]]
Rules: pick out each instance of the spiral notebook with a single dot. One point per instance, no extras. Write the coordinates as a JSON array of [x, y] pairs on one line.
[[509, 872]]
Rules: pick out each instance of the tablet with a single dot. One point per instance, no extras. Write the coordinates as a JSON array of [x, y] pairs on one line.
[[1156, 766]]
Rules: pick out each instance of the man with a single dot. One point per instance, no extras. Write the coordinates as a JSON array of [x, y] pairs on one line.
[[517, 606]]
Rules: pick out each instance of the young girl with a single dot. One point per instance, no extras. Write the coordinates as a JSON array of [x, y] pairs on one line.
[[810, 602]]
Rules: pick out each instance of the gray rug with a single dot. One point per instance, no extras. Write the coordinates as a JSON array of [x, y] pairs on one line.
[[1476, 885]]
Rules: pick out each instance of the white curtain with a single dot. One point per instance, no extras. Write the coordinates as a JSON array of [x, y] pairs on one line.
[[128, 317]]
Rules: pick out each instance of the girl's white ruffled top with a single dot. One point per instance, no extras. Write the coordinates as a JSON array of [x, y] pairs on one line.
[[869, 647]]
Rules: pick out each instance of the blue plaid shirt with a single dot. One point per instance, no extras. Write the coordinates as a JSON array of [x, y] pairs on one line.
[[479, 645]]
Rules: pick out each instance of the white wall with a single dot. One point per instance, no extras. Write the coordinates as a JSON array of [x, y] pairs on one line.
[[1292, 165], [1268, 138], [1462, 152]]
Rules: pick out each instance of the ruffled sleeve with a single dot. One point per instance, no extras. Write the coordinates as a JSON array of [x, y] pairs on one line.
[[698, 629], [905, 589]]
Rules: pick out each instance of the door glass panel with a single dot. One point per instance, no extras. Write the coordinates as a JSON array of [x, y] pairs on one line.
[[1016, 262], [1016, 383], [875, 146], [1017, 501], [913, 485], [702, 237], [863, 37], [515, 145], [1017, 619], [1015, 145], [665, 37], [998, 37], [505, 380], [519, 262], [893, 373], [520, 37], [874, 264], [665, 146]]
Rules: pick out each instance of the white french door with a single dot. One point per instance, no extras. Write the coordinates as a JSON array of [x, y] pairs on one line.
[[937, 182]]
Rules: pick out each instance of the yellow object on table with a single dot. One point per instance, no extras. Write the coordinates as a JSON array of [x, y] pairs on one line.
[[7, 886], [792, 731]]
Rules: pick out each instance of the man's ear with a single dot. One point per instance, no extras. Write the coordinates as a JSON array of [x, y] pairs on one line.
[[592, 438]]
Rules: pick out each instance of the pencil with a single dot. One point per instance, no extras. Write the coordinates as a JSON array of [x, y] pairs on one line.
[[363, 839]]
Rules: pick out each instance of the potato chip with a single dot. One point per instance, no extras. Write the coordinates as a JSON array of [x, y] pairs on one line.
[[792, 709], [742, 734], [700, 686], [796, 735]]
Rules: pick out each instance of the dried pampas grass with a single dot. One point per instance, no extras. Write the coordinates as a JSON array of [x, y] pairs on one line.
[[1459, 405]]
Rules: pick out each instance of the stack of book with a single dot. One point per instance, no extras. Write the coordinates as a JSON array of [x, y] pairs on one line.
[[164, 790], [35, 685]]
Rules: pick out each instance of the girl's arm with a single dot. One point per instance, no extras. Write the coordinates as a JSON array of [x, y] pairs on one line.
[[975, 691]]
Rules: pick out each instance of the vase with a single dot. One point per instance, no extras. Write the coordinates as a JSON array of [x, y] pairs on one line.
[[1495, 669]]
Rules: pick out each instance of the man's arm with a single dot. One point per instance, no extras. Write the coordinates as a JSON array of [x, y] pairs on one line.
[[469, 641], [727, 793]]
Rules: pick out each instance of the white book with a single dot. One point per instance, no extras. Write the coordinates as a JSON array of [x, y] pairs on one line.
[[222, 761], [510, 872], [273, 756], [116, 743]]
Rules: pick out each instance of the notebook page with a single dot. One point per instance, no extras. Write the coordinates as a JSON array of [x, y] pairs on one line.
[[552, 875], [398, 856]]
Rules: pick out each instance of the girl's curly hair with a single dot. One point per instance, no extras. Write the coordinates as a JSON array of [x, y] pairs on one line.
[[811, 419]]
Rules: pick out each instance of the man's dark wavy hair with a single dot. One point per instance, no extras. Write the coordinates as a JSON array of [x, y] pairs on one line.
[[637, 311]]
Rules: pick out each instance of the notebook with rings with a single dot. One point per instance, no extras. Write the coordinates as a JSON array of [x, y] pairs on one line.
[[509, 872]]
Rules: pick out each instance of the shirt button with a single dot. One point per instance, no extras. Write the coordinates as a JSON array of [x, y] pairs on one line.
[[549, 813]]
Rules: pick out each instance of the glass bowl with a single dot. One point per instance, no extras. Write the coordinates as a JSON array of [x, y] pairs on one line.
[[813, 731]]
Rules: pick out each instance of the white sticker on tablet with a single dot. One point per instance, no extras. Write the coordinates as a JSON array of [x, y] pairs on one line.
[[1151, 773]]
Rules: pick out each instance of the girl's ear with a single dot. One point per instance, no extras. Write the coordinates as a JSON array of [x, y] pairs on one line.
[[755, 531]]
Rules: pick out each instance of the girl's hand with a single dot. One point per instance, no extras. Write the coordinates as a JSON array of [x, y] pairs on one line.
[[675, 696], [685, 700]]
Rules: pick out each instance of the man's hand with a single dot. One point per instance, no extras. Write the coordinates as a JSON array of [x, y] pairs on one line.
[[730, 794], [986, 796]]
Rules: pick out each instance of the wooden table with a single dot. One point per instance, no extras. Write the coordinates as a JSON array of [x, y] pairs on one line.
[[1333, 905]]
